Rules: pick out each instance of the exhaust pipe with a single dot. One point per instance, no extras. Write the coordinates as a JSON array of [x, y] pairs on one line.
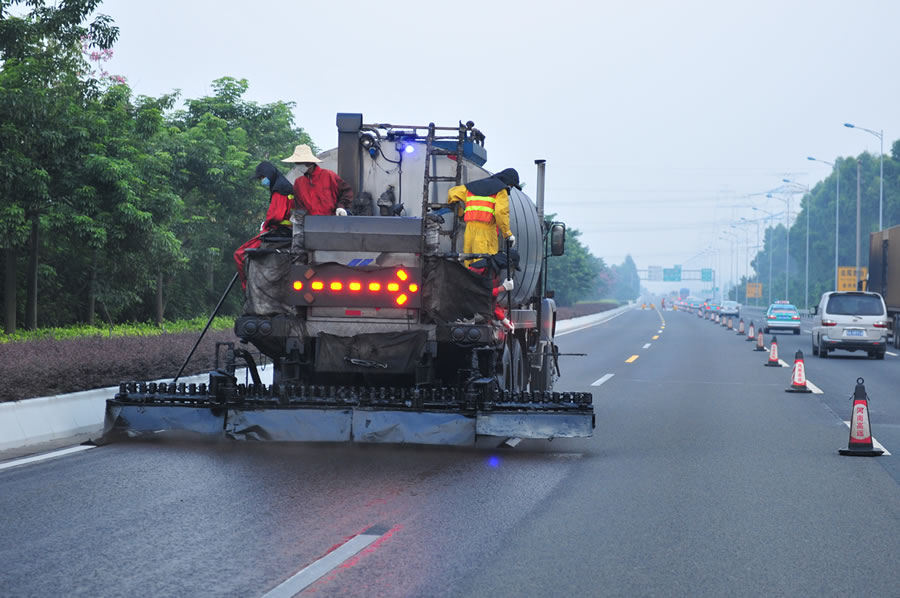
[[349, 166], [539, 200]]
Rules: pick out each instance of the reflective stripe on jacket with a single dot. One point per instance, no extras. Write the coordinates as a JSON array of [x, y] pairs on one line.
[[479, 208]]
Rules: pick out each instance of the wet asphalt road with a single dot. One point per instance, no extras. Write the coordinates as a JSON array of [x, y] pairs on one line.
[[704, 478]]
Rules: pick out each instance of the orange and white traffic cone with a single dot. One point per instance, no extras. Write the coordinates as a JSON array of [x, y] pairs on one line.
[[860, 444], [741, 329], [760, 343], [773, 354], [730, 324], [751, 334], [798, 375]]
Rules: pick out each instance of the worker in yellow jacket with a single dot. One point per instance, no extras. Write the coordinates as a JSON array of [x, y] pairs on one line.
[[484, 207]]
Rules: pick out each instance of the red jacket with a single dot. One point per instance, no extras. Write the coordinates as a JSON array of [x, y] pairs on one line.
[[279, 212], [321, 192]]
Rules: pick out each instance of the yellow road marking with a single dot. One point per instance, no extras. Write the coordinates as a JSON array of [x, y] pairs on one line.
[[655, 337], [631, 359]]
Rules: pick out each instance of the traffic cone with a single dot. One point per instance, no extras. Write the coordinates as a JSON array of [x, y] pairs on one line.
[[751, 334], [798, 375], [730, 324], [741, 330], [860, 444], [760, 343], [773, 354]]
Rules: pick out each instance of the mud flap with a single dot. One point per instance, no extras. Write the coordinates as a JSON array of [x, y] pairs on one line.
[[290, 425], [534, 425], [137, 420], [416, 427]]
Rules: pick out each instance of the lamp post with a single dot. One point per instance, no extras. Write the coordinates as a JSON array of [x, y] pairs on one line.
[[756, 271], [837, 210], [880, 135], [770, 216], [808, 210], [732, 258], [787, 250]]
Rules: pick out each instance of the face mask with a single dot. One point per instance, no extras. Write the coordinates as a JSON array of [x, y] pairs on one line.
[[264, 182]]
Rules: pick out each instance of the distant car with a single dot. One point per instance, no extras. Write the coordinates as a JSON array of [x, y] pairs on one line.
[[852, 321], [730, 308], [782, 315]]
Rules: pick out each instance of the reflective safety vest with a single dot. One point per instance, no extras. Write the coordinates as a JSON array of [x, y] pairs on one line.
[[479, 208]]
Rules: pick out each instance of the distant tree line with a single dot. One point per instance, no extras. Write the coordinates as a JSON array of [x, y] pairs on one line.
[[819, 206]]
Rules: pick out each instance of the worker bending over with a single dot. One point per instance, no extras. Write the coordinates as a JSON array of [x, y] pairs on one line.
[[278, 216]]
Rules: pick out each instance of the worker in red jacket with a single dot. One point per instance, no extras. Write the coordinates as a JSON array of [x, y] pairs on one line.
[[278, 216], [319, 191]]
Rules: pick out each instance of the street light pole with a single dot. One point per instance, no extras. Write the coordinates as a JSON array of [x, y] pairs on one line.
[[880, 135], [770, 250], [808, 209], [837, 210]]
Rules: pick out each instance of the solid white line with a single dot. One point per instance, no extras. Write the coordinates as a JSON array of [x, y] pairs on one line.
[[36, 458], [647, 346], [875, 443], [816, 390], [891, 354], [590, 325], [308, 575], [602, 380]]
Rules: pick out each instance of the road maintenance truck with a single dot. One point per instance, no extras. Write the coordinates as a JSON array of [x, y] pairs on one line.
[[376, 328]]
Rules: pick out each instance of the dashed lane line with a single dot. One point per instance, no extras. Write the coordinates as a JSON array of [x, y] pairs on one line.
[[647, 346], [656, 337], [309, 574], [891, 354], [45, 456], [632, 359], [875, 443], [814, 388], [603, 379]]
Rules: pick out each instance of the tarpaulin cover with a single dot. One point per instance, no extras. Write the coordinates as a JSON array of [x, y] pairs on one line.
[[267, 273], [452, 292], [375, 353]]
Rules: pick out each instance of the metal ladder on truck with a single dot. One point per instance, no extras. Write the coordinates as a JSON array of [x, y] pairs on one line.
[[431, 177]]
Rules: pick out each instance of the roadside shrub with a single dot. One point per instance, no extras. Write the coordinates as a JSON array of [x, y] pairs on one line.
[[47, 366]]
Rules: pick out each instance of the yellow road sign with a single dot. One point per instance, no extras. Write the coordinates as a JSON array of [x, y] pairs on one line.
[[847, 277], [754, 290]]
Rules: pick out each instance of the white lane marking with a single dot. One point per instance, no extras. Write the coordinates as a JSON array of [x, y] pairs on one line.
[[875, 443], [602, 380], [659, 331], [647, 346], [45, 456], [816, 390], [586, 326], [308, 575], [891, 354], [783, 364]]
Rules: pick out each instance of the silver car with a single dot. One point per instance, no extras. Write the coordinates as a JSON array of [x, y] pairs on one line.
[[730, 308], [851, 321]]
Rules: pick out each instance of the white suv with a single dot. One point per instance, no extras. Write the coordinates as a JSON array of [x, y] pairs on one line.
[[852, 321]]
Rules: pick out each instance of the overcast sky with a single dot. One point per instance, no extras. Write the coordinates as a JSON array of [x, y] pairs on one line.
[[656, 118]]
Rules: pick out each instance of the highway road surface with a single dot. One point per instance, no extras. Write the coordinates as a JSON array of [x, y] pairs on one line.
[[703, 478]]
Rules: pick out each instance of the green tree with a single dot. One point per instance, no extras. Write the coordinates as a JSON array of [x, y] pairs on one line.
[[627, 282], [576, 275], [42, 99]]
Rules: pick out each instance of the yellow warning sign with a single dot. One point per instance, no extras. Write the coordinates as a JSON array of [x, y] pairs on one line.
[[847, 277], [754, 290]]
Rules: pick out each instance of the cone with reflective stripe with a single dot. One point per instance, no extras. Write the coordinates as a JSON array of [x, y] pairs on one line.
[[760, 343], [860, 444], [741, 329], [773, 353], [751, 333], [798, 375], [730, 324]]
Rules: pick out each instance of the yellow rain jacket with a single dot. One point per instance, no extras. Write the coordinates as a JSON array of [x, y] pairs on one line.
[[482, 221]]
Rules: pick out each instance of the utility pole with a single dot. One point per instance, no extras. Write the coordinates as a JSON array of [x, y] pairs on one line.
[[858, 195]]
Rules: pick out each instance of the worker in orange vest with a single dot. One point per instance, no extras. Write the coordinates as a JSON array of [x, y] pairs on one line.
[[484, 207]]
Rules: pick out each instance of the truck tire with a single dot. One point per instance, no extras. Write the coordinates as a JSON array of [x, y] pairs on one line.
[[514, 377], [896, 332]]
